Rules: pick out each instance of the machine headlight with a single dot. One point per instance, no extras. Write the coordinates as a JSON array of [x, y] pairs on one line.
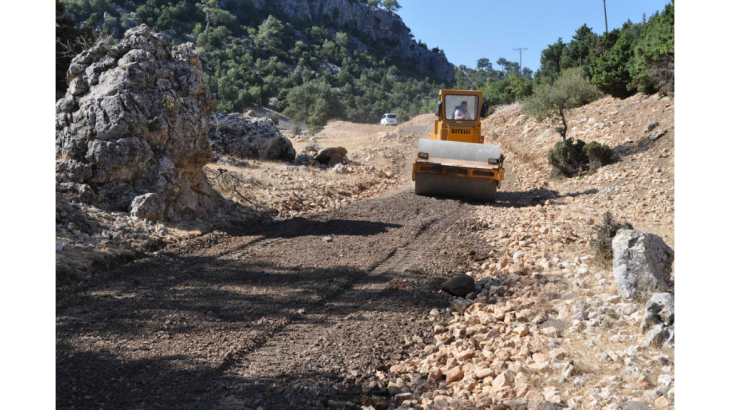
[[423, 155], [493, 161]]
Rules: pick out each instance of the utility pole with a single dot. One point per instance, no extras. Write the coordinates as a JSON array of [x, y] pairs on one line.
[[520, 50], [605, 15]]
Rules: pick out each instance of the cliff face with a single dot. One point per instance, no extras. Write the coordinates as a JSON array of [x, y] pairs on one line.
[[380, 25]]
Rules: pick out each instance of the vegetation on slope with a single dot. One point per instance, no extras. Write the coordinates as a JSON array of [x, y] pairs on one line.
[[639, 57], [262, 57]]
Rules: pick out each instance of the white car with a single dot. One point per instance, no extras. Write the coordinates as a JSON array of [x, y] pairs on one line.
[[389, 119]]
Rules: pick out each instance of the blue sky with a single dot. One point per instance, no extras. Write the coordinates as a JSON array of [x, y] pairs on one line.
[[470, 29]]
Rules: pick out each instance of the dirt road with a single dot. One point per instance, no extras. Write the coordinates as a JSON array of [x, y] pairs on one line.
[[293, 314]]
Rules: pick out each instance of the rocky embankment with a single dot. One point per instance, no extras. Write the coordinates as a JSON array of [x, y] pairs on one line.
[[544, 323]]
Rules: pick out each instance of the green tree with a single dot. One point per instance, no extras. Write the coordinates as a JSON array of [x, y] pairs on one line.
[[391, 5], [652, 63], [502, 62], [313, 103], [551, 102], [578, 51], [271, 35], [484, 64], [609, 64], [215, 14], [550, 62]]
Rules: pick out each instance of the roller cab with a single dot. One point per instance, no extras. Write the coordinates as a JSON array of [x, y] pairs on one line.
[[455, 162]]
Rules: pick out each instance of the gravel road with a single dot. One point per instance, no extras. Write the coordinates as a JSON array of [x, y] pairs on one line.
[[292, 314]]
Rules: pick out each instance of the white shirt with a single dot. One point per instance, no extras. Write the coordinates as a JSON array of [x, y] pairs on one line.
[[464, 113]]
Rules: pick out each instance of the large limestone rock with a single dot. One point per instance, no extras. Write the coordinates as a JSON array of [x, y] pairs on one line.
[[642, 263], [134, 121], [249, 138]]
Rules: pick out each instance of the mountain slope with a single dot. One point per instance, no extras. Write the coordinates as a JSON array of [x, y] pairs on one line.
[[257, 52]]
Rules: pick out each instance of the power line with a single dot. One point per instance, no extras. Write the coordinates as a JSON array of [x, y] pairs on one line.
[[521, 50]]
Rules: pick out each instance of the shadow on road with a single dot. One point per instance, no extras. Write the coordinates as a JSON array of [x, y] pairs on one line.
[[159, 337], [521, 199], [308, 227]]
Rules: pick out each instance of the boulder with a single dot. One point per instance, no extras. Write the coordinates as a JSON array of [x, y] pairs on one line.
[[642, 263], [148, 206], [326, 155], [659, 311], [304, 159], [249, 137], [135, 121], [460, 285]]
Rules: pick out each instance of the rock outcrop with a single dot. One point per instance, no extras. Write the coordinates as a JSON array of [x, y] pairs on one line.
[[134, 121], [255, 138], [378, 24], [642, 263]]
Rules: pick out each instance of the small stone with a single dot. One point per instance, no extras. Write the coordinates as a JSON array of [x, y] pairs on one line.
[[460, 285], [651, 126], [393, 389], [633, 405], [551, 406], [506, 378], [400, 398], [454, 374], [460, 305], [484, 372]]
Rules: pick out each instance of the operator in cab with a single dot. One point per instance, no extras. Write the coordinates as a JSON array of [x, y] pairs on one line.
[[461, 112]]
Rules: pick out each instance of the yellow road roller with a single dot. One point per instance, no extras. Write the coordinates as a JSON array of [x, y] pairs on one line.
[[454, 162]]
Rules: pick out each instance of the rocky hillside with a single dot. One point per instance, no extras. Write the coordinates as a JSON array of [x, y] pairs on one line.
[[361, 59], [543, 322], [372, 22], [637, 187]]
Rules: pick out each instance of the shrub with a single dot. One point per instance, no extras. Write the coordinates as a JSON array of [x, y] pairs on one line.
[[598, 154], [602, 244], [274, 117], [296, 130], [567, 157]]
